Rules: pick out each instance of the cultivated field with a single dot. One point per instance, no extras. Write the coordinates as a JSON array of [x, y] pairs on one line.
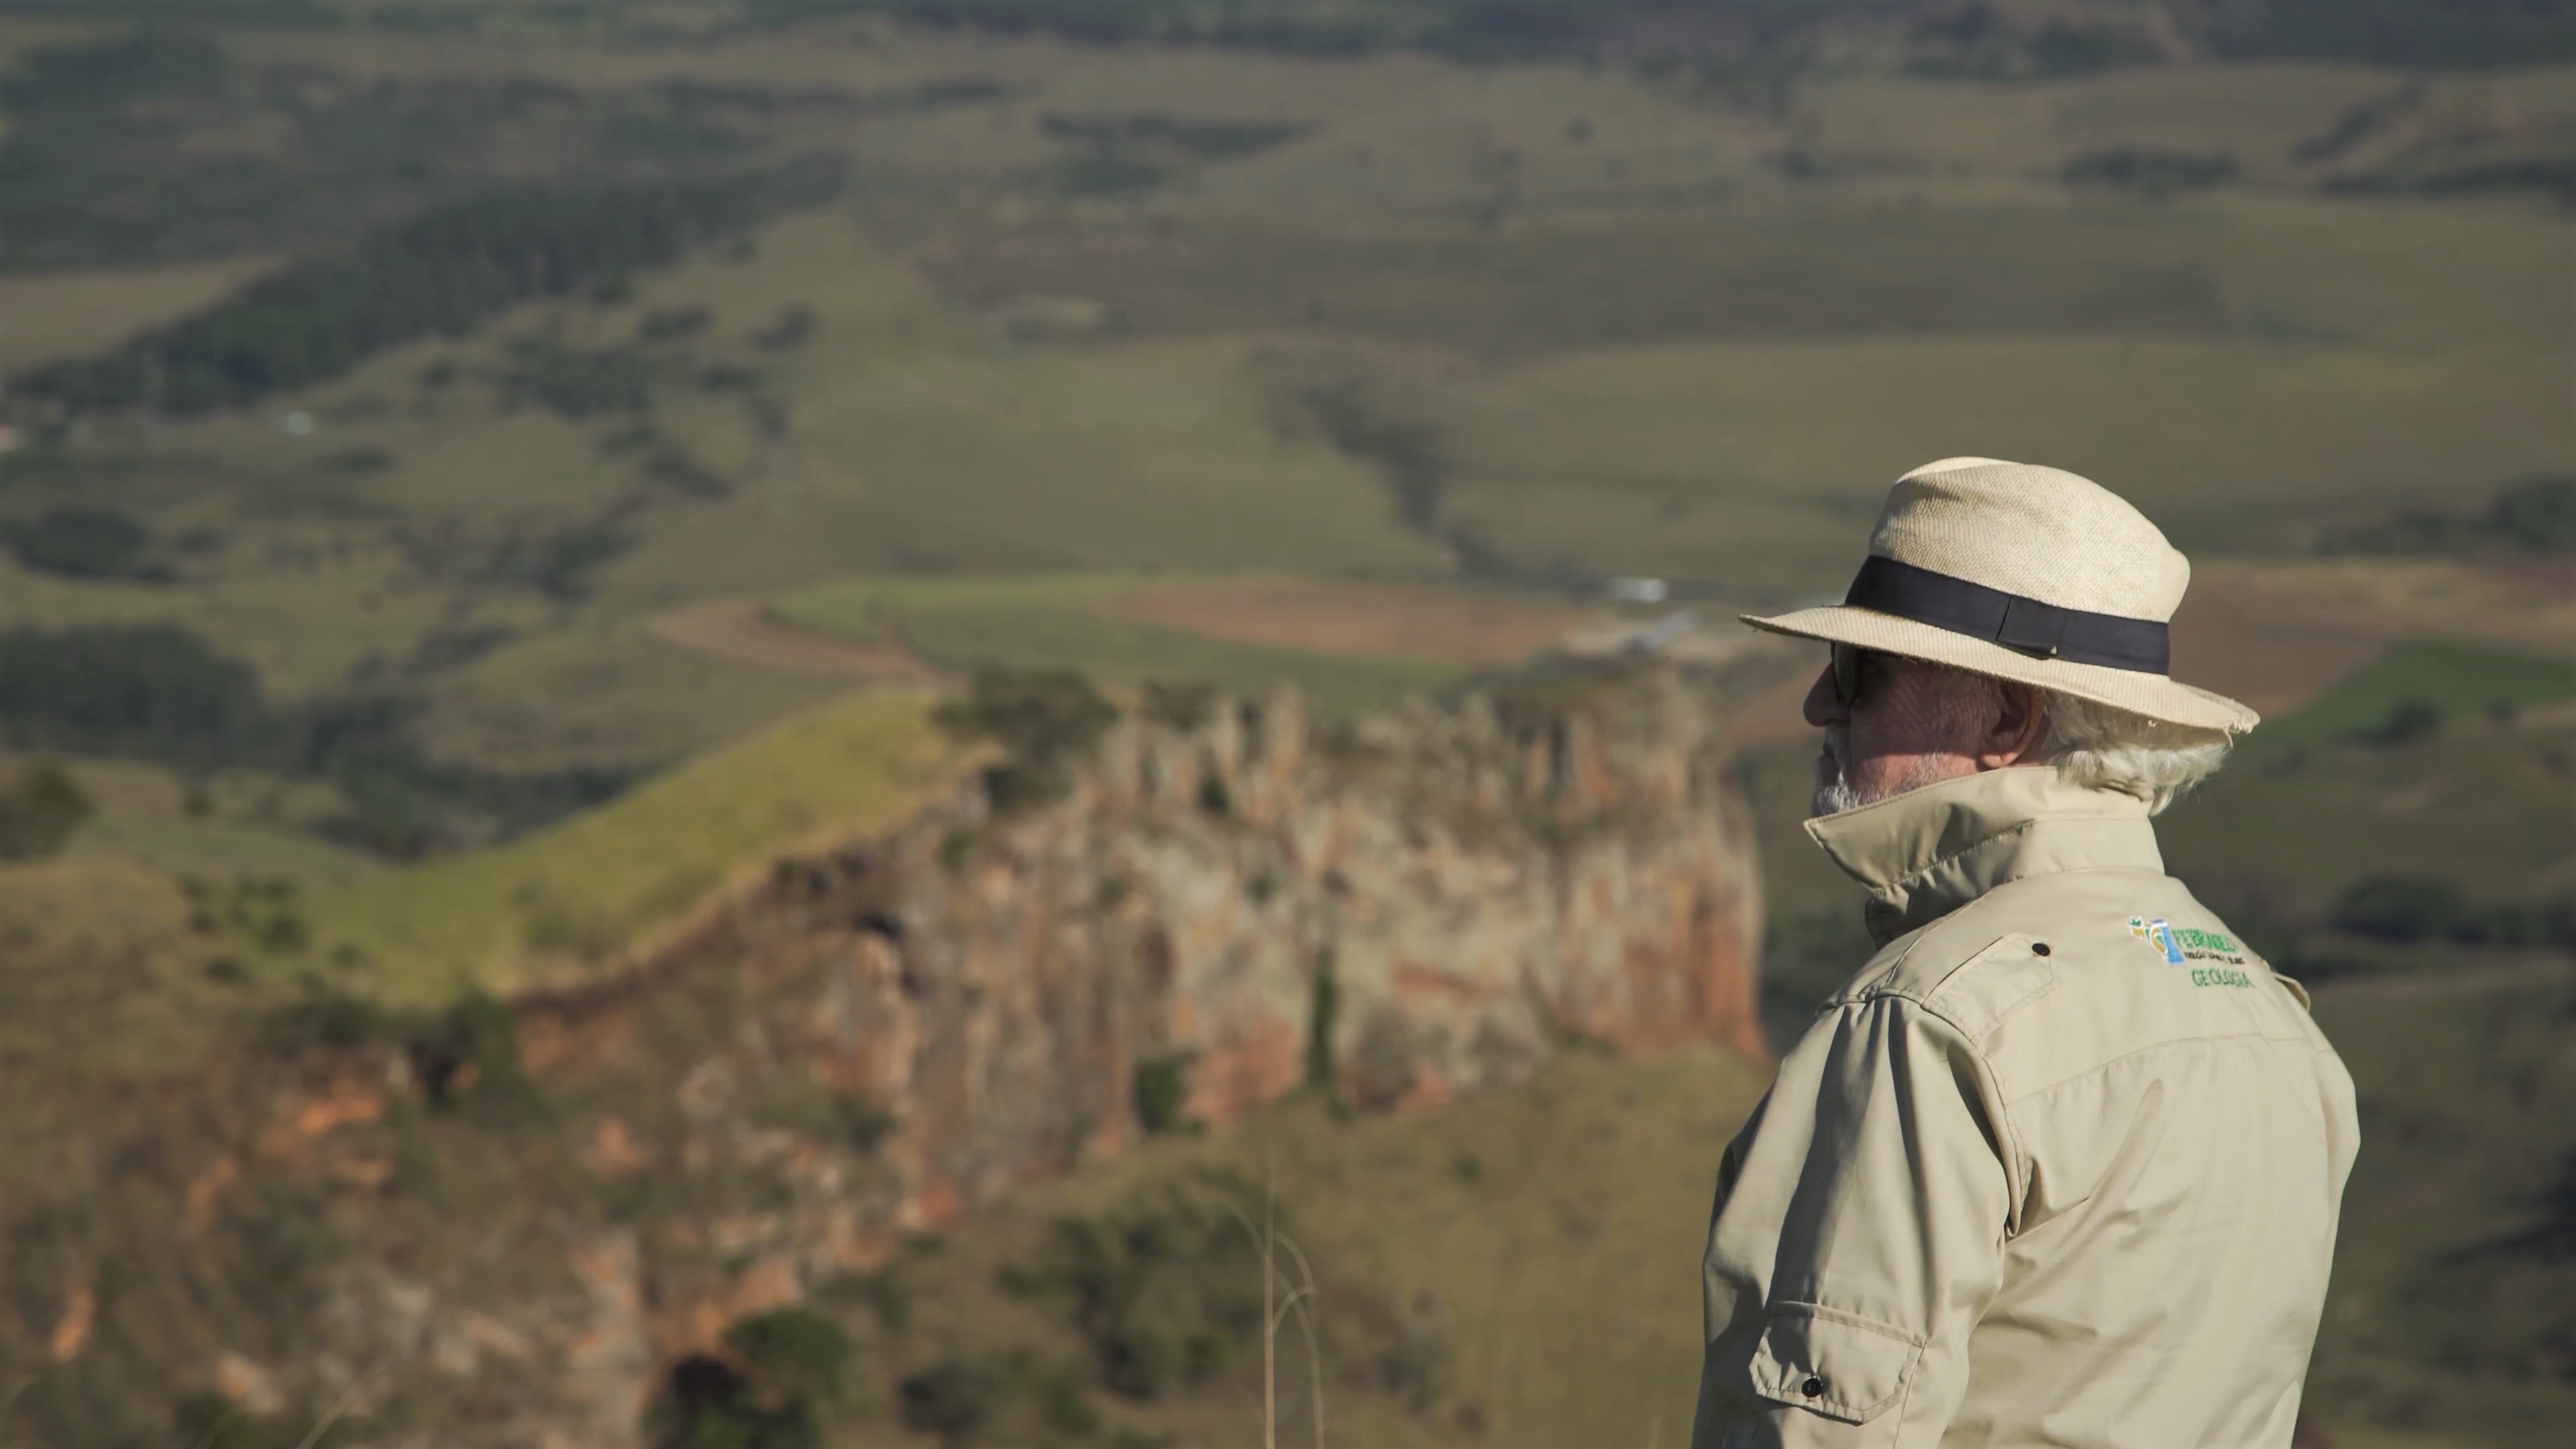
[[1355, 618]]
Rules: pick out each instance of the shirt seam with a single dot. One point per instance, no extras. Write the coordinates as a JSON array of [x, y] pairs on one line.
[[1961, 910], [2107, 1063], [1792, 1307], [2014, 1154]]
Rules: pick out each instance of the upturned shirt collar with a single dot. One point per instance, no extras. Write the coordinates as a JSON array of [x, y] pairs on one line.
[[1925, 853]]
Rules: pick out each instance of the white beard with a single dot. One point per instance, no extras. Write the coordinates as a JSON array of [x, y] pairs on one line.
[[1835, 798], [1835, 793]]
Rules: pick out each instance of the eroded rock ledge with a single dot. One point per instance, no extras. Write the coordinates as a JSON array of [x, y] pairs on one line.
[[1226, 901]]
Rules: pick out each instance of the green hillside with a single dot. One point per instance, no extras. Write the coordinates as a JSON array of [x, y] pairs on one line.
[[161, 937], [562, 906]]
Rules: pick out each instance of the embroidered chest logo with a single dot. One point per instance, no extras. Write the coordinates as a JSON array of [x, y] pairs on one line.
[[2181, 945], [2159, 937]]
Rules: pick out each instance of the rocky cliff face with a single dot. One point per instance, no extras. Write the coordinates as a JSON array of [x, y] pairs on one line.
[[1227, 902]]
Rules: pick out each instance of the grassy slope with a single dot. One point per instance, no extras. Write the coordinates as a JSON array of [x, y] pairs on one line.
[[2459, 1072], [557, 907], [94, 967], [2292, 822], [1542, 1240]]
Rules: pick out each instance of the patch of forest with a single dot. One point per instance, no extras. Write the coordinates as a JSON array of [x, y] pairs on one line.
[[163, 694], [209, 150], [1956, 32], [437, 274]]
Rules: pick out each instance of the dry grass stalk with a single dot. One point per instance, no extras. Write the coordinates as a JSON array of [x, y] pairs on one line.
[[1274, 1311]]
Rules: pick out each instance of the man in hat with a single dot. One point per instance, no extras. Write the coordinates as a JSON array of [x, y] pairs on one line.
[[2061, 1164]]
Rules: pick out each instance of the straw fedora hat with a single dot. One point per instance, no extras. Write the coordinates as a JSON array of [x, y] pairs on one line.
[[2023, 573]]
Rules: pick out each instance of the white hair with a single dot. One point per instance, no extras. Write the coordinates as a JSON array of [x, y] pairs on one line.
[[2101, 747]]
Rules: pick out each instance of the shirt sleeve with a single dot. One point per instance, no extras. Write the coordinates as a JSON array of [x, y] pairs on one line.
[[1856, 1238]]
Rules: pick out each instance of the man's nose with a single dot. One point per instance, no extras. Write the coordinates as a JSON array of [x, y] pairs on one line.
[[1822, 708]]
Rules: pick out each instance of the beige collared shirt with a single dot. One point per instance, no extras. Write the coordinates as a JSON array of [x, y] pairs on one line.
[[2060, 1166]]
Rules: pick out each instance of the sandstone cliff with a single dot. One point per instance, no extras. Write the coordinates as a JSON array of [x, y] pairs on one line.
[[531, 1223]]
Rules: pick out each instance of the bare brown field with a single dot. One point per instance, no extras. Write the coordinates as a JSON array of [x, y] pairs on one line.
[[1346, 618], [2526, 602], [742, 629], [2236, 636]]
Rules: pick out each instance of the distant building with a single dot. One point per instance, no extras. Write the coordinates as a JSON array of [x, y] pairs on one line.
[[1634, 590], [1664, 633]]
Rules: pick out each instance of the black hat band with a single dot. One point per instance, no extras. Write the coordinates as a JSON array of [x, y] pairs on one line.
[[2023, 625]]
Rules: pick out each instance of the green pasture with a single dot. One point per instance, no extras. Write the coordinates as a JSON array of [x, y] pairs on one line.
[[1066, 621], [2460, 683], [563, 906], [1835, 260]]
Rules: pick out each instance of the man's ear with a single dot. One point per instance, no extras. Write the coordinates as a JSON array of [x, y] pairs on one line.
[[2020, 727]]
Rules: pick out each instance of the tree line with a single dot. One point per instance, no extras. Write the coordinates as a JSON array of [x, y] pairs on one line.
[[163, 693], [2531, 515], [2396, 32], [436, 274]]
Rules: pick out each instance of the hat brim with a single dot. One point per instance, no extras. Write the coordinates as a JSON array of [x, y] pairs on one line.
[[2152, 695]]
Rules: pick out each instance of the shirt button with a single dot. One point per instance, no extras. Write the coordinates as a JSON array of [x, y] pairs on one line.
[[2039, 948], [1812, 1388]]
